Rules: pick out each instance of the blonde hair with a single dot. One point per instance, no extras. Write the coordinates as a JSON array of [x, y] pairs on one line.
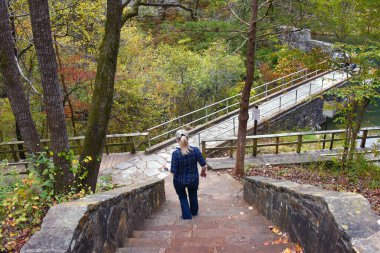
[[182, 139]]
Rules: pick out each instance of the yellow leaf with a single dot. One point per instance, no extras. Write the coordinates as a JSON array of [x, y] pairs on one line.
[[275, 230]]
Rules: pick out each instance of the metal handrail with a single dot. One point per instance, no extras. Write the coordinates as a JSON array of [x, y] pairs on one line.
[[278, 108], [228, 106]]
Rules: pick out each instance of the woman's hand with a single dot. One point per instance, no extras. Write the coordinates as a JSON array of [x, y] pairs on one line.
[[203, 172]]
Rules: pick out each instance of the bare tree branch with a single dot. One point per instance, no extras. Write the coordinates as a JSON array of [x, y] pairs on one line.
[[242, 44], [26, 79], [236, 16], [135, 9]]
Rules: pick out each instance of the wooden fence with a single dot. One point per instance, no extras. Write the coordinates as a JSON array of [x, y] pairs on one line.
[[124, 142], [254, 142]]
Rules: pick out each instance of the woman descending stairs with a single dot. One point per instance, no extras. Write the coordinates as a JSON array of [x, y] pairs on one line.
[[225, 223]]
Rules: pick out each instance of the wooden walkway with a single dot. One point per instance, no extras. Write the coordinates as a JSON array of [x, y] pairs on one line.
[[113, 159]]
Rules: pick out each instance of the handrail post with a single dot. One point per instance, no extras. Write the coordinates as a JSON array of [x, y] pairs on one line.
[[332, 141], [233, 123], [364, 138], [149, 139], [206, 115], [296, 95], [310, 91], [266, 89], [227, 105], [14, 153], [204, 149], [179, 122], [254, 148], [79, 146], [299, 143], [323, 78], [277, 143], [107, 151], [231, 148], [125, 145], [279, 108], [133, 151]]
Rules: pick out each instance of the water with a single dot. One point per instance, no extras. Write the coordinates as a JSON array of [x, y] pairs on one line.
[[371, 117]]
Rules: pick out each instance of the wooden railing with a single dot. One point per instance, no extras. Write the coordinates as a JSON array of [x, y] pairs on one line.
[[124, 142], [254, 142]]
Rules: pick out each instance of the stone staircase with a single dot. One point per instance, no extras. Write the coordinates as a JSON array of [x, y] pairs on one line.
[[225, 224]]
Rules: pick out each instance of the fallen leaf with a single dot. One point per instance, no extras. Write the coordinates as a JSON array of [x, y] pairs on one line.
[[275, 230]]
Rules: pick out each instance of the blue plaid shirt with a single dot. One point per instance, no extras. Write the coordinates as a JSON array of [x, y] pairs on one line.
[[184, 167]]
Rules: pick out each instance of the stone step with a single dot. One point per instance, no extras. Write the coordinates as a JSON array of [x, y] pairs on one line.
[[191, 249], [197, 242], [152, 234], [140, 250], [147, 242], [273, 248]]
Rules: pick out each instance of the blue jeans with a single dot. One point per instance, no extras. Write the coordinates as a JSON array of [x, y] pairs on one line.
[[192, 188]]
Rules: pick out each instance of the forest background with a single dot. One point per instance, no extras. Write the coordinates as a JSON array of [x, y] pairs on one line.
[[172, 61]]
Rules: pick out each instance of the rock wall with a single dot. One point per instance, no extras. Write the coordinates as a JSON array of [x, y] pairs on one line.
[[99, 222], [322, 221], [301, 39], [306, 115]]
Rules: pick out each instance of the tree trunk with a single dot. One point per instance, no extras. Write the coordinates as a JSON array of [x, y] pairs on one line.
[[244, 101], [358, 117], [13, 85], [65, 90], [13, 31], [102, 98], [40, 19]]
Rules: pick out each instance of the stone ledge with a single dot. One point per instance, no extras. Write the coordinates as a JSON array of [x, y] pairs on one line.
[[99, 222], [322, 221]]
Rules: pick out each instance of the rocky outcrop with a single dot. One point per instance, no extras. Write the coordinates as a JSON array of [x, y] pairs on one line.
[[301, 39], [99, 222], [322, 221]]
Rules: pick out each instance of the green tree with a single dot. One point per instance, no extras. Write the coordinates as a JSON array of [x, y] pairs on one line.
[[244, 100], [362, 88]]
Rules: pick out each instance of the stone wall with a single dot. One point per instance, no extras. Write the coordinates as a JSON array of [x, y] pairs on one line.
[[322, 221], [301, 39], [99, 222], [306, 115]]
